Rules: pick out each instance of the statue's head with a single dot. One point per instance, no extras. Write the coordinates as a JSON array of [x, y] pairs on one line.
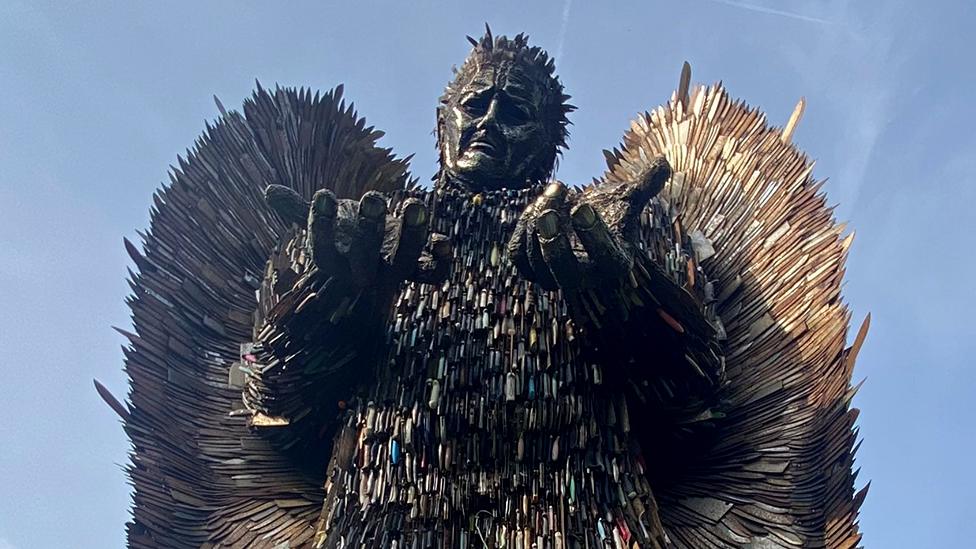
[[502, 121]]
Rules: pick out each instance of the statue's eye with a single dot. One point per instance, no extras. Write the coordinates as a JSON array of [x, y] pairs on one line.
[[512, 110], [476, 105], [513, 114]]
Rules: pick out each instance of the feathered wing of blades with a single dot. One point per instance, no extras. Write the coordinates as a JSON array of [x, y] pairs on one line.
[[201, 478], [777, 471]]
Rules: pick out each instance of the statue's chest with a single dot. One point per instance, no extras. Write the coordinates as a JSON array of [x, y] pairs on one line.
[[486, 360], [485, 420], [482, 376]]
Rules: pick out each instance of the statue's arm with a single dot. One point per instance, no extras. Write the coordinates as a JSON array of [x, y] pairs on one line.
[[667, 331], [630, 279], [308, 350], [322, 308]]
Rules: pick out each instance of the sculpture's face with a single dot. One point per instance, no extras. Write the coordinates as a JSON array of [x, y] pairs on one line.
[[492, 133]]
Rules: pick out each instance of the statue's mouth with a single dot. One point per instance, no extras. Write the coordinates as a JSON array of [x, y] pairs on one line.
[[482, 144], [482, 147]]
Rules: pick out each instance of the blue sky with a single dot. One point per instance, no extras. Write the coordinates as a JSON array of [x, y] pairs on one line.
[[99, 97]]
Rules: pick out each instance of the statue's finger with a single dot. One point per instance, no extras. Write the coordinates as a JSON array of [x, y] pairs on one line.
[[364, 249], [540, 268], [605, 255], [433, 267], [288, 204], [411, 237], [557, 250], [518, 249], [553, 198], [321, 231], [649, 183]]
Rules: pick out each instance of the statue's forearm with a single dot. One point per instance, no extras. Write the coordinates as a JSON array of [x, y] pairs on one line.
[[658, 335], [312, 346]]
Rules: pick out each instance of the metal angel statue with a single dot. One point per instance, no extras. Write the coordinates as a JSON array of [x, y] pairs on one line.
[[327, 355]]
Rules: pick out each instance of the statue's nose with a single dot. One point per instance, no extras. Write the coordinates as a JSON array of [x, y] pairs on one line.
[[491, 115]]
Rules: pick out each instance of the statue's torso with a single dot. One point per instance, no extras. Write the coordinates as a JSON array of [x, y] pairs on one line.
[[486, 428]]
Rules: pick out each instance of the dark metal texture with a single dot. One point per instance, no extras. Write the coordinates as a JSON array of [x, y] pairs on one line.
[[198, 473], [497, 364]]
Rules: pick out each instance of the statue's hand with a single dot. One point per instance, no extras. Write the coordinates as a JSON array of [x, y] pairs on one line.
[[362, 242], [584, 240]]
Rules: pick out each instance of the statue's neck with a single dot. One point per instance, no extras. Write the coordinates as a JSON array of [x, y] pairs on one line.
[[451, 182], [478, 217]]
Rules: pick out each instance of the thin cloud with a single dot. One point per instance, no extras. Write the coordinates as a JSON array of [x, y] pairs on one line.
[[862, 57], [567, 6], [773, 11]]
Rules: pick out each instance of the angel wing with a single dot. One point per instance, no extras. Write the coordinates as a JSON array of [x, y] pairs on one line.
[[776, 471], [200, 477]]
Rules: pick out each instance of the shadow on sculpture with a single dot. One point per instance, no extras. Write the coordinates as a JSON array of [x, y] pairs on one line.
[[326, 354]]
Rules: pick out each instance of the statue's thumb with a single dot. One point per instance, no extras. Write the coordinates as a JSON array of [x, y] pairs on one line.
[[287, 203], [646, 185], [649, 182]]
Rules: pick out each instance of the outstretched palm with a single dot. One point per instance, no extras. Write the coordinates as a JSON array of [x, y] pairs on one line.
[[583, 240], [361, 242]]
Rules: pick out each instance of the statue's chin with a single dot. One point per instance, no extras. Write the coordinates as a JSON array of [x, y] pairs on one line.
[[475, 175], [478, 162], [477, 171]]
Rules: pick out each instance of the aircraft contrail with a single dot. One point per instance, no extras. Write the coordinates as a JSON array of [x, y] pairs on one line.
[[562, 29], [772, 11]]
